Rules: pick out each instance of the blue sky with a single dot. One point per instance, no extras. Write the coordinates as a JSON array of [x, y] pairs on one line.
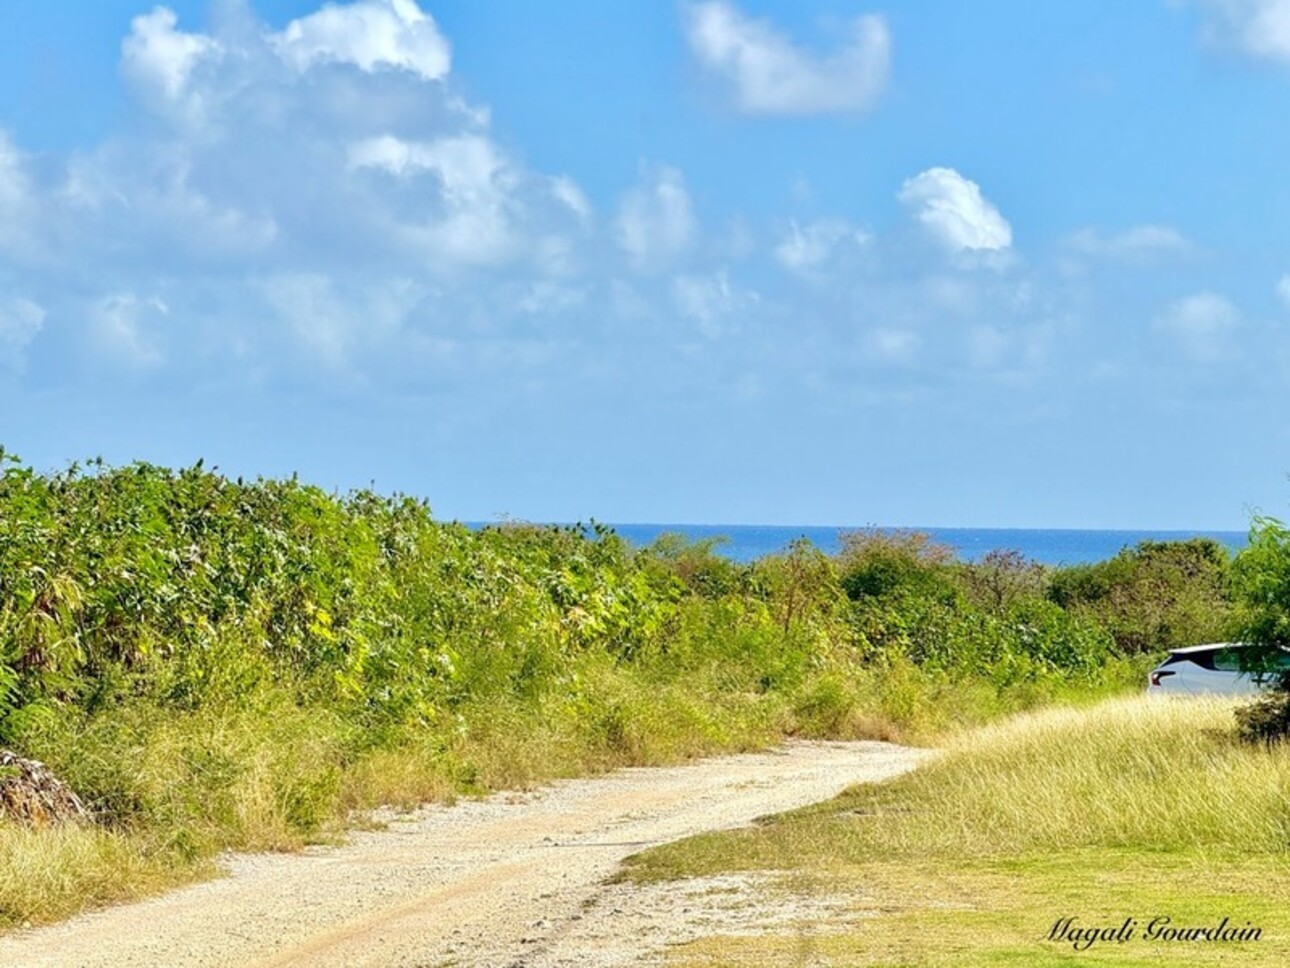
[[997, 264]]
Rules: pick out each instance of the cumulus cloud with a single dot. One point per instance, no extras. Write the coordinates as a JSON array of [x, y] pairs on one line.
[[370, 219], [1138, 244], [369, 34], [478, 220], [124, 326], [568, 193], [806, 248], [1260, 28], [710, 300], [770, 74], [954, 211], [332, 319], [656, 222], [16, 202], [161, 59], [1202, 326], [20, 321], [469, 166], [262, 193], [169, 216]]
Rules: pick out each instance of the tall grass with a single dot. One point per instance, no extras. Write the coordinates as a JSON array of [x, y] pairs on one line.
[[1135, 772], [1129, 774], [52, 873], [1130, 808]]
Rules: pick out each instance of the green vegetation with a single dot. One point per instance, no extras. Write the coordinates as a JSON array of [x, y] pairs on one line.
[[1262, 577], [1159, 595], [217, 663], [1132, 808]]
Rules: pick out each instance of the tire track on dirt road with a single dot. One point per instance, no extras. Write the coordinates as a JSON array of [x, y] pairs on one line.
[[487, 882]]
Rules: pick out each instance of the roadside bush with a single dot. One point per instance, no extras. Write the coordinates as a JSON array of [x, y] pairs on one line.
[[1261, 579], [988, 619], [1157, 596], [1266, 719], [874, 563], [1003, 579]]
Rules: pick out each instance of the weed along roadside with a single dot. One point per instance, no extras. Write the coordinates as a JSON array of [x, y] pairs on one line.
[[510, 879], [215, 664]]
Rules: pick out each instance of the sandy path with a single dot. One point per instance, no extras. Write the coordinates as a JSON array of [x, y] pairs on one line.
[[510, 880]]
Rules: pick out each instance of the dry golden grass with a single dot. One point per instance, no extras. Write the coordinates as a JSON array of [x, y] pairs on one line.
[[1130, 808], [52, 873]]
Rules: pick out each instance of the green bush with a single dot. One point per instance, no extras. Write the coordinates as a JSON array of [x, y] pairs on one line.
[[875, 563], [1157, 596], [1266, 719]]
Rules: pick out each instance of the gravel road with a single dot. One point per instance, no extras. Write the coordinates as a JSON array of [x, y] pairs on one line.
[[512, 880]]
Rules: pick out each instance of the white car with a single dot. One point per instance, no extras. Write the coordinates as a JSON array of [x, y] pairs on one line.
[[1213, 669]]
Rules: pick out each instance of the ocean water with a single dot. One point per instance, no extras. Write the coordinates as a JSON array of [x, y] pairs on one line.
[[1050, 547]]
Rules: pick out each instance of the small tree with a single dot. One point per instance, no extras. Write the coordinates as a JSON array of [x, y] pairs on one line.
[[1261, 581]]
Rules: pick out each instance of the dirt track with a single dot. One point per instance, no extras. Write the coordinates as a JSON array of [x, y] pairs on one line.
[[511, 880]]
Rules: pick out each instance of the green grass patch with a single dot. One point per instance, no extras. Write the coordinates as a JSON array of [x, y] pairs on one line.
[[1130, 809], [983, 912]]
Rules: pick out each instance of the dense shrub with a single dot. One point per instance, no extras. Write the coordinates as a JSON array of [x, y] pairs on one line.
[[1266, 719], [1002, 579], [1261, 579], [988, 619], [1153, 597], [876, 563]]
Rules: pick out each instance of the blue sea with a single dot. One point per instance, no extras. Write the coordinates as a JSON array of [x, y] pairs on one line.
[[1051, 547]]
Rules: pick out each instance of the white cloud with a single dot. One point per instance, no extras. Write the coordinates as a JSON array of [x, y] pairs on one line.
[[469, 166], [484, 199], [1202, 326], [20, 321], [1283, 290], [772, 75], [1010, 351], [892, 345], [333, 320], [806, 248], [1138, 244], [120, 323], [281, 222], [16, 203], [152, 206], [286, 232], [162, 59], [955, 212], [655, 220], [710, 300], [567, 192], [475, 184], [1258, 27], [547, 298], [369, 34], [14, 186]]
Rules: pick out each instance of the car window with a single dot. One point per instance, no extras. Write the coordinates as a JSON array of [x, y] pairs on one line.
[[1203, 658], [1227, 660]]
